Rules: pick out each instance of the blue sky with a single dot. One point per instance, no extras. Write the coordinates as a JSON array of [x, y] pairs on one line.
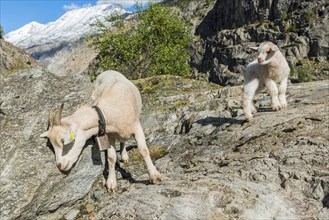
[[16, 13]]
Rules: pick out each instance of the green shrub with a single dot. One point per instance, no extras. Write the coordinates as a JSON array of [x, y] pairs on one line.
[[309, 16], [180, 3], [291, 28], [285, 16], [156, 152], [157, 45], [308, 70], [303, 76]]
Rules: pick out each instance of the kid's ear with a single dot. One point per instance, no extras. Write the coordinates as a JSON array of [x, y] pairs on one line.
[[274, 48], [44, 135]]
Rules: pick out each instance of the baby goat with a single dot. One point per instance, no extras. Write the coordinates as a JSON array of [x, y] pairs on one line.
[[267, 70]]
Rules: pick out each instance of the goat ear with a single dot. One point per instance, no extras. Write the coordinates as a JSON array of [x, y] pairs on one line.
[[254, 48], [274, 48], [44, 135]]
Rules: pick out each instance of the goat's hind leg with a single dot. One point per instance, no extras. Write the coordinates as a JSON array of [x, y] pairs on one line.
[[111, 182], [273, 90], [123, 152], [139, 136], [282, 92]]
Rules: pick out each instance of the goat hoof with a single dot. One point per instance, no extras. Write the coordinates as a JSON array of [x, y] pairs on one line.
[[124, 161], [111, 190], [111, 187], [253, 109], [284, 105], [276, 107], [124, 158], [249, 118], [156, 178]]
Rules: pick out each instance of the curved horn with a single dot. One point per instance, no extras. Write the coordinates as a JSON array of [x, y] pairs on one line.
[[254, 48], [58, 115], [51, 119]]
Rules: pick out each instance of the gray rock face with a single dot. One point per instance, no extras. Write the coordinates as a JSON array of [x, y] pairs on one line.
[[63, 58], [319, 45], [13, 58], [31, 185], [276, 166]]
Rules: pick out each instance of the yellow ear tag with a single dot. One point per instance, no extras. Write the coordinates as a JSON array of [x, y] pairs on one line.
[[72, 136]]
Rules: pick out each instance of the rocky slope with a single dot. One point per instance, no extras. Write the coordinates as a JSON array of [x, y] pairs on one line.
[[13, 58], [72, 58], [215, 166]]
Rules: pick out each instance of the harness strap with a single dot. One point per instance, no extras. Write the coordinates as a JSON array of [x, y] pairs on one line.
[[101, 121]]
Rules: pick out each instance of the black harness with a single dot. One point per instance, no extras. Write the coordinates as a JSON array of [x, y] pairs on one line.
[[101, 121]]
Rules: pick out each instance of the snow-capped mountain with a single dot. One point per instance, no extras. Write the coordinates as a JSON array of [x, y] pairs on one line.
[[24, 32], [72, 26]]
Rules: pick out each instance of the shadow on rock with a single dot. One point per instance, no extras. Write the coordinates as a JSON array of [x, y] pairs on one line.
[[219, 121], [124, 173], [265, 110], [325, 201]]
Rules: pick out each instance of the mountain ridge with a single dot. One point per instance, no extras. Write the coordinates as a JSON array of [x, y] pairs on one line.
[[71, 26], [24, 32]]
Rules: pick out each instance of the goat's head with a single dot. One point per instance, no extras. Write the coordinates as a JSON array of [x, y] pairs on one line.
[[63, 139], [266, 52]]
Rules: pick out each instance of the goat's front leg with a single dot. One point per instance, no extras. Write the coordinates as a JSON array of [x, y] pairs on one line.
[[111, 182], [282, 92], [273, 90], [154, 174]]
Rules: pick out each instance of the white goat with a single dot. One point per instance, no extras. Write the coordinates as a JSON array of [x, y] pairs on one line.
[[267, 70], [103, 82], [121, 105]]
